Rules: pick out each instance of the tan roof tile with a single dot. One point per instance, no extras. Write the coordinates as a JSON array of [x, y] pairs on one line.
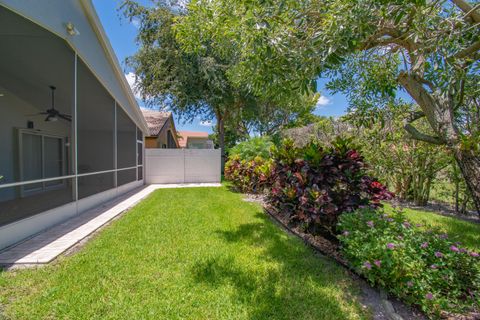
[[184, 135], [155, 120]]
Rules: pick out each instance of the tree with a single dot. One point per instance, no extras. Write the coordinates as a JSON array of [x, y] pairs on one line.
[[371, 49], [196, 83], [190, 84], [409, 166]]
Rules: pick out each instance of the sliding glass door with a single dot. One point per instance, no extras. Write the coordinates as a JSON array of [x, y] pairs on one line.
[[42, 156]]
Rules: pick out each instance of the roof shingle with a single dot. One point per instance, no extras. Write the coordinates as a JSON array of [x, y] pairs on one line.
[[155, 120]]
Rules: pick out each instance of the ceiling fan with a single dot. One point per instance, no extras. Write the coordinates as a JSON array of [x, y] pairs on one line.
[[52, 113]]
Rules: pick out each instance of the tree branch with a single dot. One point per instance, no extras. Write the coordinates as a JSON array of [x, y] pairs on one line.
[[414, 116], [417, 135], [424, 99], [465, 53], [468, 9]]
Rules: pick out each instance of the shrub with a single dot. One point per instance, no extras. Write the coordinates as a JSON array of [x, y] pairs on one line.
[[313, 185], [422, 268], [252, 148], [248, 176]]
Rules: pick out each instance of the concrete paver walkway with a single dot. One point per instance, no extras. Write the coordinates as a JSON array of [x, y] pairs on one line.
[[49, 244]]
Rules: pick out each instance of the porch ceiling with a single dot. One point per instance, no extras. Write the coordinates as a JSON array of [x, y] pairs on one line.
[[32, 59]]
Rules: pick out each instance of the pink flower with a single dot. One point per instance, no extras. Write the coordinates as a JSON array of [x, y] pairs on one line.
[[370, 224], [407, 224], [443, 236], [429, 296], [346, 233], [378, 263], [433, 266], [438, 254], [391, 246], [367, 265], [409, 284], [454, 249], [424, 245], [474, 254]]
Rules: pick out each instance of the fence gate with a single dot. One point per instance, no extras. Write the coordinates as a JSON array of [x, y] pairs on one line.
[[182, 165]]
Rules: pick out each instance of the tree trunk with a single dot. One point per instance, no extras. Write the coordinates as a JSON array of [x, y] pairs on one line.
[[457, 190], [438, 110], [469, 165]]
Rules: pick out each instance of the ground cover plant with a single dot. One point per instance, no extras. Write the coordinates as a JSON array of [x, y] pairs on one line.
[[423, 267], [468, 233], [198, 253]]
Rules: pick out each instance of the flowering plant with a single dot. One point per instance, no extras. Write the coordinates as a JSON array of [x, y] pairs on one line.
[[421, 267]]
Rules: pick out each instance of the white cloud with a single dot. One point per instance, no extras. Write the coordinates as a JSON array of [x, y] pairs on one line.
[[323, 101], [207, 123], [131, 78], [136, 23]]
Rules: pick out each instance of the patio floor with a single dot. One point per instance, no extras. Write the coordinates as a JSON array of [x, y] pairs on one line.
[[49, 244]]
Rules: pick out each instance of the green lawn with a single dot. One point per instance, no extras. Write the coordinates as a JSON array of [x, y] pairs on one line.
[[459, 230], [186, 254]]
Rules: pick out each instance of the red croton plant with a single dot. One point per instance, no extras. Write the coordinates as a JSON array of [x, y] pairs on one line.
[[314, 185]]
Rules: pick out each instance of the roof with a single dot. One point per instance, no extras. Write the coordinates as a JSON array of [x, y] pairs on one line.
[[155, 120], [184, 135]]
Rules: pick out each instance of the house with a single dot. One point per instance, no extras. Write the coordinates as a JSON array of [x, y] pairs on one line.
[[194, 140], [161, 128], [71, 132]]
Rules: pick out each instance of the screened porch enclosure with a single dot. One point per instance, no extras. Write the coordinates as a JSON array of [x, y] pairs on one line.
[[63, 137]]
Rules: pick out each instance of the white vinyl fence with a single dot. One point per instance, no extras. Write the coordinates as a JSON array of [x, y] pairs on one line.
[[182, 165]]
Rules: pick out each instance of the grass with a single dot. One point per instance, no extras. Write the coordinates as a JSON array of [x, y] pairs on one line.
[[186, 254], [467, 233]]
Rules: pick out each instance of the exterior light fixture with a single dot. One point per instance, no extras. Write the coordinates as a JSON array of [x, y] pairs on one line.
[[71, 30]]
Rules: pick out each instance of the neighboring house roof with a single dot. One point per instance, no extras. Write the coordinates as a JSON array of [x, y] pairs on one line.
[[155, 120], [184, 135]]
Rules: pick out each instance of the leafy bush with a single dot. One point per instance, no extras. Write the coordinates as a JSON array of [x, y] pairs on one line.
[[252, 148], [313, 185], [248, 176], [422, 268]]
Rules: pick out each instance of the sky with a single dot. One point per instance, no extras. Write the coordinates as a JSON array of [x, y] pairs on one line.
[[121, 34]]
